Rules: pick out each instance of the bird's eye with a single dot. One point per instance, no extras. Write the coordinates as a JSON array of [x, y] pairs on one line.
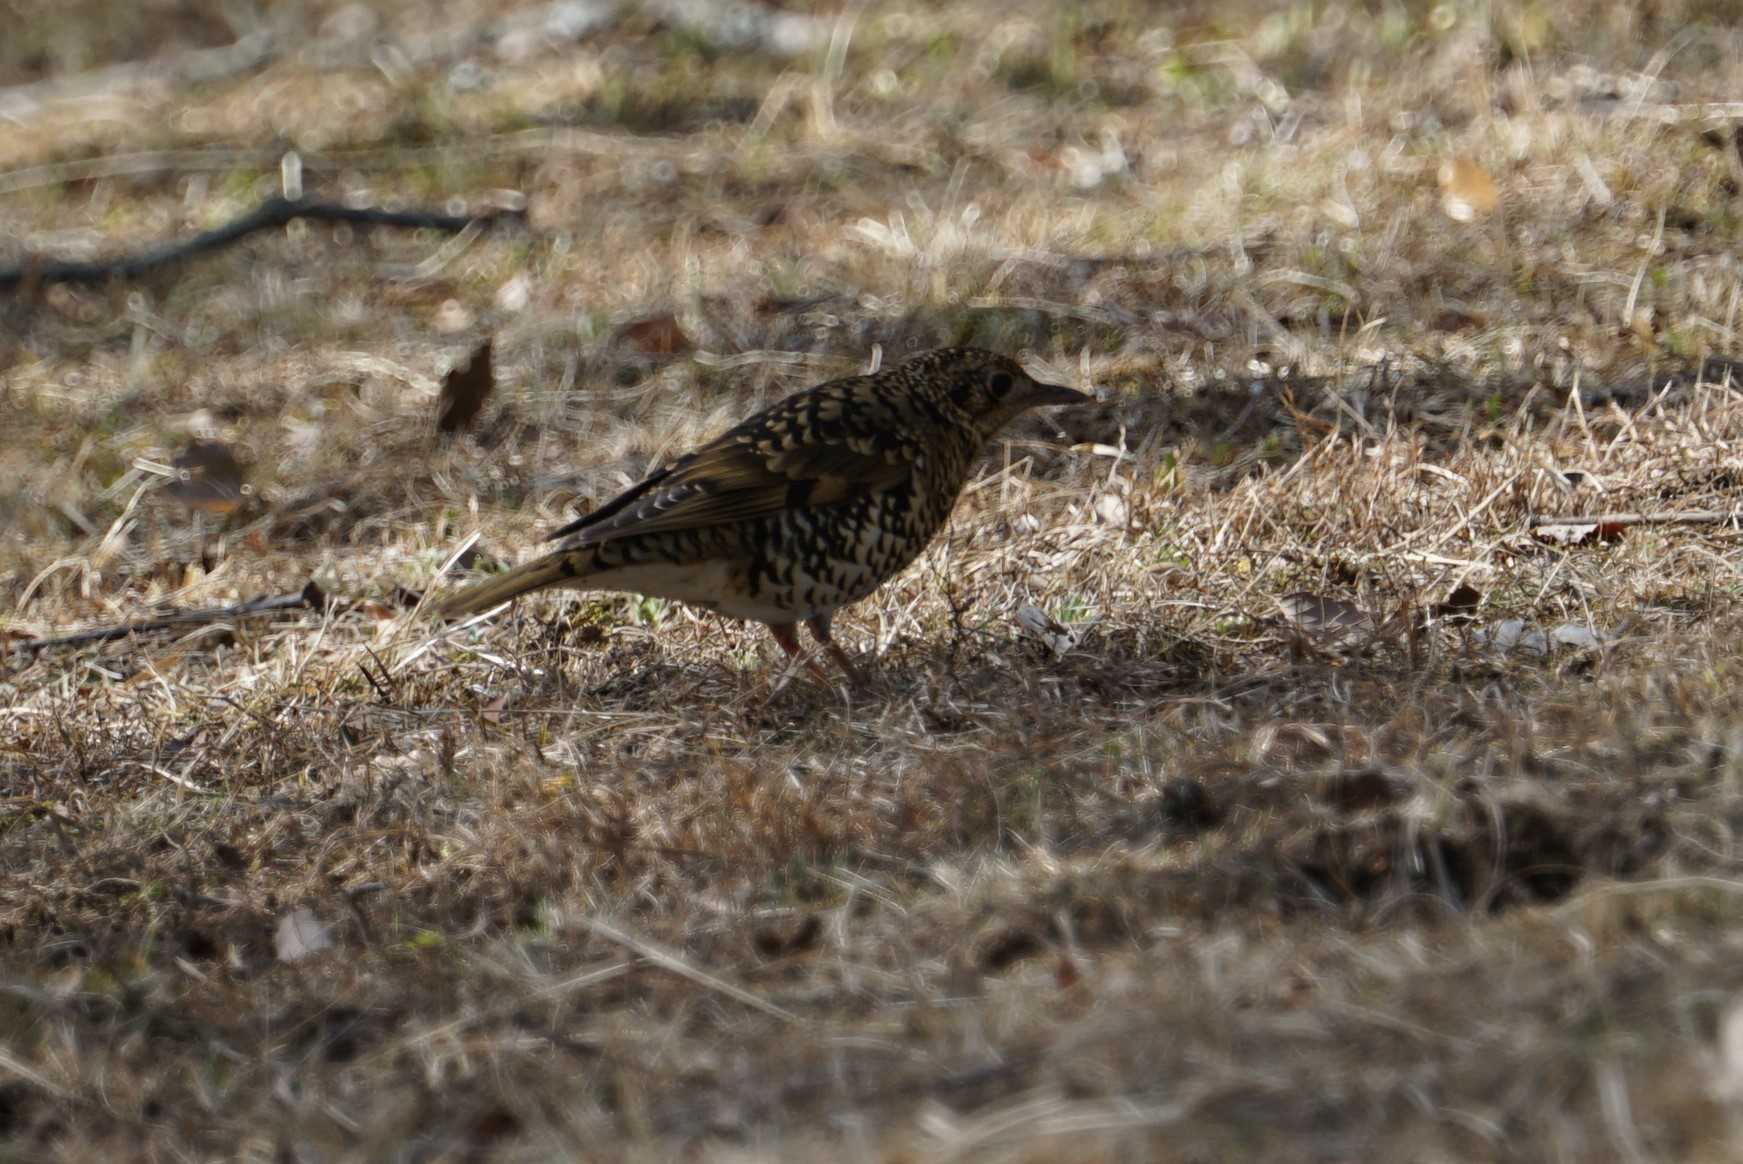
[[1000, 383]]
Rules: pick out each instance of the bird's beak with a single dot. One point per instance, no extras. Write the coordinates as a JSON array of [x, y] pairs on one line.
[[1047, 395]]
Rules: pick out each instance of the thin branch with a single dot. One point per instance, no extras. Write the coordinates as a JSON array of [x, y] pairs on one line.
[[199, 66], [271, 213], [310, 597], [215, 160], [1685, 517], [666, 960]]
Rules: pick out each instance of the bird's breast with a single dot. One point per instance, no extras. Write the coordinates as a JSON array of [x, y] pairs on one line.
[[813, 560]]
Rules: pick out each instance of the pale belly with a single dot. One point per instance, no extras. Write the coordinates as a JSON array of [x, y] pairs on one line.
[[720, 586], [786, 568]]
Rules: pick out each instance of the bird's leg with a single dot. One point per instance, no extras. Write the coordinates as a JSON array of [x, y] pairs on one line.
[[785, 633], [819, 628]]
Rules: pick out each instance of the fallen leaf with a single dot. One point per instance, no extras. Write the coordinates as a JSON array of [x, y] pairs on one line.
[[209, 477], [1460, 605], [656, 335], [494, 1124], [1511, 634], [1111, 509], [1466, 190], [777, 939], [1458, 319], [513, 295], [1573, 635], [1058, 637], [1359, 789], [452, 316], [1005, 946], [1331, 620], [1579, 534], [1187, 804], [299, 934], [464, 391], [1727, 1075]]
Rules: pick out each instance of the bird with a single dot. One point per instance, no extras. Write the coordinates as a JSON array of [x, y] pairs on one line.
[[800, 509]]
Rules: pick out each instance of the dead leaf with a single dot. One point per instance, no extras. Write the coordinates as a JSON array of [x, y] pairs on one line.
[[464, 390], [493, 1124], [1458, 319], [514, 295], [656, 335], [1579, 534], [1111, 509], [1571, 634], [451, 317], [1058, 637], [209, 477], [1510, 635], [1005, 946], [299, 934], [779, 938], [1331, 620], [1466, 190], [1460, 605], [1726, 1079], [1359, 789], [1187, 805]]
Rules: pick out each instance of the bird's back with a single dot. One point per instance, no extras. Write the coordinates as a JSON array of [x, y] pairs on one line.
[[815, 501], [811, 450]]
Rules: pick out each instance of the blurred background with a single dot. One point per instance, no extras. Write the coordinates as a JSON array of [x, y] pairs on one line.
[[1166, 195]]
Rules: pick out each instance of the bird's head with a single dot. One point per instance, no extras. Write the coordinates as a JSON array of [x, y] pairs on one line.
[[992, 390]]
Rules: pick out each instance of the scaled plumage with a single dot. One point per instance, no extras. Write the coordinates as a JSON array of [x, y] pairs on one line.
[[801, 509]]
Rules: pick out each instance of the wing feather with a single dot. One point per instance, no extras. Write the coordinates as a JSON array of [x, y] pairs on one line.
[[825, 446]]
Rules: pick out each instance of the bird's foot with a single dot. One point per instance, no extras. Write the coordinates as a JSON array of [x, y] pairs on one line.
[[786, 635]]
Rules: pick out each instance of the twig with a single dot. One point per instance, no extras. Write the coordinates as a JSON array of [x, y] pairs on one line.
[[667, 960], [1641, 888], [215, 160], [379, 689], [12, 1065], [1472, 516], [311, 597], [273, 212], [196, 67], [1685, 517]]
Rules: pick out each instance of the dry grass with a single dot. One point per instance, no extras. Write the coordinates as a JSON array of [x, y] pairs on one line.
[[593, 879]]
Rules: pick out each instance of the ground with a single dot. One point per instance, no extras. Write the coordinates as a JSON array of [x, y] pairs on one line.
[[1254, 769]]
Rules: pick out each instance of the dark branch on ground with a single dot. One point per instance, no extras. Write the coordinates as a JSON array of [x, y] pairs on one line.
[[310, 597], [273, 212], [1668, 517]]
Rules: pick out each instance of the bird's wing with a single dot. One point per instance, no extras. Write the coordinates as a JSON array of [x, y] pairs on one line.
[[821, 447]]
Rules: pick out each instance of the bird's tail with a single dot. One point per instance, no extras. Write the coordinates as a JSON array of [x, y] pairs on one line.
[[556, 569]]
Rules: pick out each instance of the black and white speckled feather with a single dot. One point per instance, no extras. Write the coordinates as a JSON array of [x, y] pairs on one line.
[[801, 509]]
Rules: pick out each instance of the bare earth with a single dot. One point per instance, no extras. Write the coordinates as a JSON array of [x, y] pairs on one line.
[[1322, 808]]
